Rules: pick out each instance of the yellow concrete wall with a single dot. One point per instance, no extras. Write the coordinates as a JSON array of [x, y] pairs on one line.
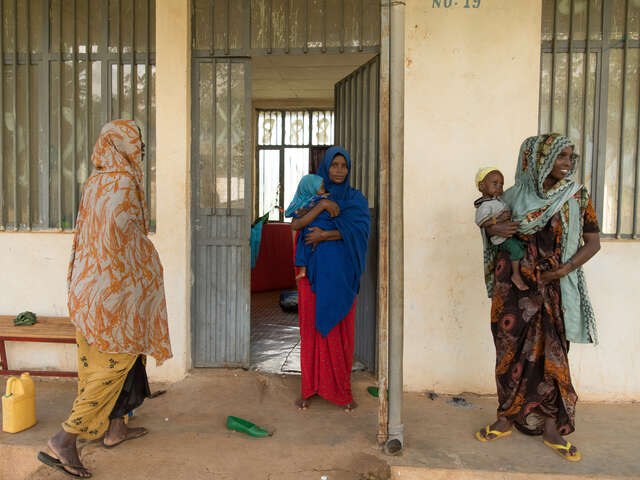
[[35, 264], [472, 80]]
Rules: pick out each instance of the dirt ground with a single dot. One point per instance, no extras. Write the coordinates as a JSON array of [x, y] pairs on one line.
[[188, 438]]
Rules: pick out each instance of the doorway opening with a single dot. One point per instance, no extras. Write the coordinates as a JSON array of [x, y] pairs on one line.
[[297, 115]]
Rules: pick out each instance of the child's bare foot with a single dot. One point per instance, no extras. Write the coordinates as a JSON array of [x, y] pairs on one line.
[[519, 282], [300, 275], [349, 407]]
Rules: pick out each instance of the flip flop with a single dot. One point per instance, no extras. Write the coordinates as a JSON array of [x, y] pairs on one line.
[[487, 431], [53, 462], [142, 434], [576, 457]]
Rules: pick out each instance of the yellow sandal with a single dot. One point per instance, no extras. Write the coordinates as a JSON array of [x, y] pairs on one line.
[[558, 449], [487, 431]]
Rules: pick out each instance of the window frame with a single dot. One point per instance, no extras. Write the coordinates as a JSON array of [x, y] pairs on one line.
[[281, 147]]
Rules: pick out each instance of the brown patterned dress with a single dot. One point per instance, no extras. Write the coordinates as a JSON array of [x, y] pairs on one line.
[[532, 368]]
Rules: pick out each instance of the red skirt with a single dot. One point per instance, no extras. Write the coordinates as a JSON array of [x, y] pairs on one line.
[[325, 363]]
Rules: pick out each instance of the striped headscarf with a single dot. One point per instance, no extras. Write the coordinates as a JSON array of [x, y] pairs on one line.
[[534, 207]]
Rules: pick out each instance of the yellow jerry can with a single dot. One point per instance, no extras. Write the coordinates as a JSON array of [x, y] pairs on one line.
[[19, 404]]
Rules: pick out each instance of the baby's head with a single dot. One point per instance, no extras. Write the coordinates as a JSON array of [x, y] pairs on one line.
[[311, 185], [490, 181]]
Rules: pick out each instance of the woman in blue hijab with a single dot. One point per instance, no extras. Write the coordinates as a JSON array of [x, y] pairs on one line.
[[338, 231]]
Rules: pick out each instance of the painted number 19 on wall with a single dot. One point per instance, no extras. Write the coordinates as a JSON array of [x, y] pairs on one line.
[[456, 3]]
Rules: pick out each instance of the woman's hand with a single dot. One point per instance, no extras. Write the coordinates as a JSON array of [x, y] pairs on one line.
[[562, 271], [331, 207], [502, 229], [315, 236]]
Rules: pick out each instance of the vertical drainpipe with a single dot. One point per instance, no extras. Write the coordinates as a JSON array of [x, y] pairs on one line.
[[395, 440], [383, 231]]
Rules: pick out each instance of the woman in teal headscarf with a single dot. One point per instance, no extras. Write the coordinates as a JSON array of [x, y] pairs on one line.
[[532, 329]]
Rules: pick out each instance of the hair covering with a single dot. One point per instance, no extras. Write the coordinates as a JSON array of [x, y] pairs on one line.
[[116, 289], [483, 172], [307, 189], [534, 207], [335, 269]]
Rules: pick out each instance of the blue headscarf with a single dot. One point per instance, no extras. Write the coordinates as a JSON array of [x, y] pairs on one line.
[[307, 189], [335, 269]]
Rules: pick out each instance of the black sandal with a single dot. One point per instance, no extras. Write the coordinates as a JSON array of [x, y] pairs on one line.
[[58, 465]]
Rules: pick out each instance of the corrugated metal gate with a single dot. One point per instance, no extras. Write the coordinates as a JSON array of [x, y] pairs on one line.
[[221, 202], [357, 109]]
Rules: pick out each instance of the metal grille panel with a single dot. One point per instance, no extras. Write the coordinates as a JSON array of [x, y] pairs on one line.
[[590, 91], [68, 67], [357, 116]]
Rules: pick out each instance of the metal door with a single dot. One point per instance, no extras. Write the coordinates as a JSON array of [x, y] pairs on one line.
[[356, 122], [220, 211]]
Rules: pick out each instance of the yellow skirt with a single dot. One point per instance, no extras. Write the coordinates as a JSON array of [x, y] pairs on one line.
[[101, 377]]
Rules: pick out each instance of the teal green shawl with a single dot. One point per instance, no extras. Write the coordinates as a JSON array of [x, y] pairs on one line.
[[534, 207]]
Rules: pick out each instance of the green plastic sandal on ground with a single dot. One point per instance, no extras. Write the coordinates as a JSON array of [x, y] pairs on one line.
[[373, 391], [245, 426]]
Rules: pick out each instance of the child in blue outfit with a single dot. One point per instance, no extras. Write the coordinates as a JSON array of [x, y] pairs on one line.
[[310, 191]]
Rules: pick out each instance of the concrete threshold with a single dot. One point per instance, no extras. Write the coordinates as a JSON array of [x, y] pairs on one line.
[[188, 438]]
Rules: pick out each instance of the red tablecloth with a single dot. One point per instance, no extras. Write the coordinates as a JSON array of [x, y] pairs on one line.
[[274, 266]]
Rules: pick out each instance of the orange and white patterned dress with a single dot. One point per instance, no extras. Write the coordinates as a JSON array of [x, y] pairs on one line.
[[116, 289]]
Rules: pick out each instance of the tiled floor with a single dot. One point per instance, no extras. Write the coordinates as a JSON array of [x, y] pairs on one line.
[[275, 336]]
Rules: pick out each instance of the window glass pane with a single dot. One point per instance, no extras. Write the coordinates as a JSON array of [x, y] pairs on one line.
[[151, 147], [296, 165], [296, 24], [545, 92], [205, 142], [371, 26], [634, 20], [296, 130], [322, 128], [334, 23], [222, 151], [316, 23], [201, 24], [8, 158], [269, 128], [577, 99], [611, 159], [618, 14], [587, 153], [220, 24], [238, 128], [236, 25], [269, 183], [352, 23], [560, 94], [564, 16], [630, 156], [547, 19], [278, 24]]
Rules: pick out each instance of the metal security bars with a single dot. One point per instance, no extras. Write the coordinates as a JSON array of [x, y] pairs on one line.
[[357, 125], [255, 27], [590, 91], [284, 141], [67, 68]]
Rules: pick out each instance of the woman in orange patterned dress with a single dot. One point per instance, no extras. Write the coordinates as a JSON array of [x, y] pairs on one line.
[[116, 300], [532, 329]]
